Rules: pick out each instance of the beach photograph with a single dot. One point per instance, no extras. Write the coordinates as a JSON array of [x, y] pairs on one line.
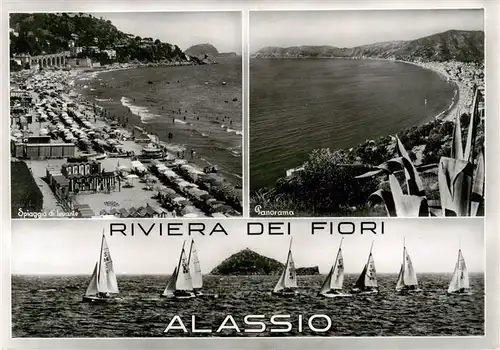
[[367, 113], [126, 114], [419, 278]]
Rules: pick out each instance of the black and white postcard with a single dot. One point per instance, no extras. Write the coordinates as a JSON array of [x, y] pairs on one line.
[[367, 113], [150, 279], [130, 115], [250, 175]]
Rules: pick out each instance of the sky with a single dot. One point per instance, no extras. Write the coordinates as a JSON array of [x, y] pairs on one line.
[[184, 29], [354, 28], [42, 247]]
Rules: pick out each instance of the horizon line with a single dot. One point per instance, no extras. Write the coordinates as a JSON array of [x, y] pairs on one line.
[[209, 274]]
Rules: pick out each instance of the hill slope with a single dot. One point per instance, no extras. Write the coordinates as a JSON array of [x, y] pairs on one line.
[[248, 262], [39, 33], [466, 46], [202, 50]]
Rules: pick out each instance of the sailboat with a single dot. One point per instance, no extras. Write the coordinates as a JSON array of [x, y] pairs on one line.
[[103, 282], [195, 270], [287, 284], [367, 281], [407, 279], [332, 286], [180, 285], [459, 283]]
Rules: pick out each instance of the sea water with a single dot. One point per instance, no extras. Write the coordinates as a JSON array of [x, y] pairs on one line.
[[50, 306], [299, 105]]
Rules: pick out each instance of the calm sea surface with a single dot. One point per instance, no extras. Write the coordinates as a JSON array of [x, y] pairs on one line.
[[52, 307], [191, 102], [300, 105]]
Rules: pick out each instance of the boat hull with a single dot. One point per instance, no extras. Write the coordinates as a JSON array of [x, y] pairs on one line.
[[178, 297], [364, 292], [409, 291], [460, 292], [286, 294], [98, 300], [335, 295]]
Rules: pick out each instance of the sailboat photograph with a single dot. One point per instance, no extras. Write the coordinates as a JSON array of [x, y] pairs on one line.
[[196, 275], [287, 284], [332, 286], [367, 280], [180, 284], [103, 286], [407, 279], [459, 283]]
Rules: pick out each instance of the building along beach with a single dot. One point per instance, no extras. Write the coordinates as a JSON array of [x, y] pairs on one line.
[[89, 162]]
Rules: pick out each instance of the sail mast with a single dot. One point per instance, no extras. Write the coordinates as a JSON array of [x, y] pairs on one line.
[[371, 247], [404, 258], [190, 251], [338, 253], [337, 260], [100, 258], [180, 257]]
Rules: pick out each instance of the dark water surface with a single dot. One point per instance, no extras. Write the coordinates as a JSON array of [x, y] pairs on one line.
[[52, 307], [191, 102], [297, 106]]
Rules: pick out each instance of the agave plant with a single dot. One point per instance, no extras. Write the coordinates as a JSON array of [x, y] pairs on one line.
[[414, 203], [461, 188]]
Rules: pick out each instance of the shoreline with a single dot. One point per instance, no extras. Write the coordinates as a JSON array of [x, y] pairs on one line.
[[173, 148], [459, 104], [185, 180]]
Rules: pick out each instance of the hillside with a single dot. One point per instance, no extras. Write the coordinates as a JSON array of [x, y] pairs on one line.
[[248, 262], [202, 51], [39, 33], [465, 46]]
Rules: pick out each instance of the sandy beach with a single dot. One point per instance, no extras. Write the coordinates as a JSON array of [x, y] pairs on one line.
[[463, 75], [136, 190]]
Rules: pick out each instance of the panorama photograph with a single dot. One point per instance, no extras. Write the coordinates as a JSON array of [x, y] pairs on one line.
[[129, 115], [89, 282], [367, 113]]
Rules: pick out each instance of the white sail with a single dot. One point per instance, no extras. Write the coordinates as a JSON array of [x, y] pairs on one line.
[[170, 289], [288, 277], [371, 273], [460, 279], [368, 277], [335, 278], [183, 280], [106, 278], [400, 284], [92, 288], [194, 267], [409, 274]]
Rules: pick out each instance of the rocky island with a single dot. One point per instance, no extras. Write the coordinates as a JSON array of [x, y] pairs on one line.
[[247, 262]]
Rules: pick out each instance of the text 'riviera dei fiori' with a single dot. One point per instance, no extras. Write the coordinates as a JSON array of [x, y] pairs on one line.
[[253, 228]]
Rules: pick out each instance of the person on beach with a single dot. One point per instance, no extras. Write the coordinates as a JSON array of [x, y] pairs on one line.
[[192, 153], [173, 120], [183, 154]]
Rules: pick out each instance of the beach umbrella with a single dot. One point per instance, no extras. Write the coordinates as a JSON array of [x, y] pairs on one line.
[[131, 179]]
